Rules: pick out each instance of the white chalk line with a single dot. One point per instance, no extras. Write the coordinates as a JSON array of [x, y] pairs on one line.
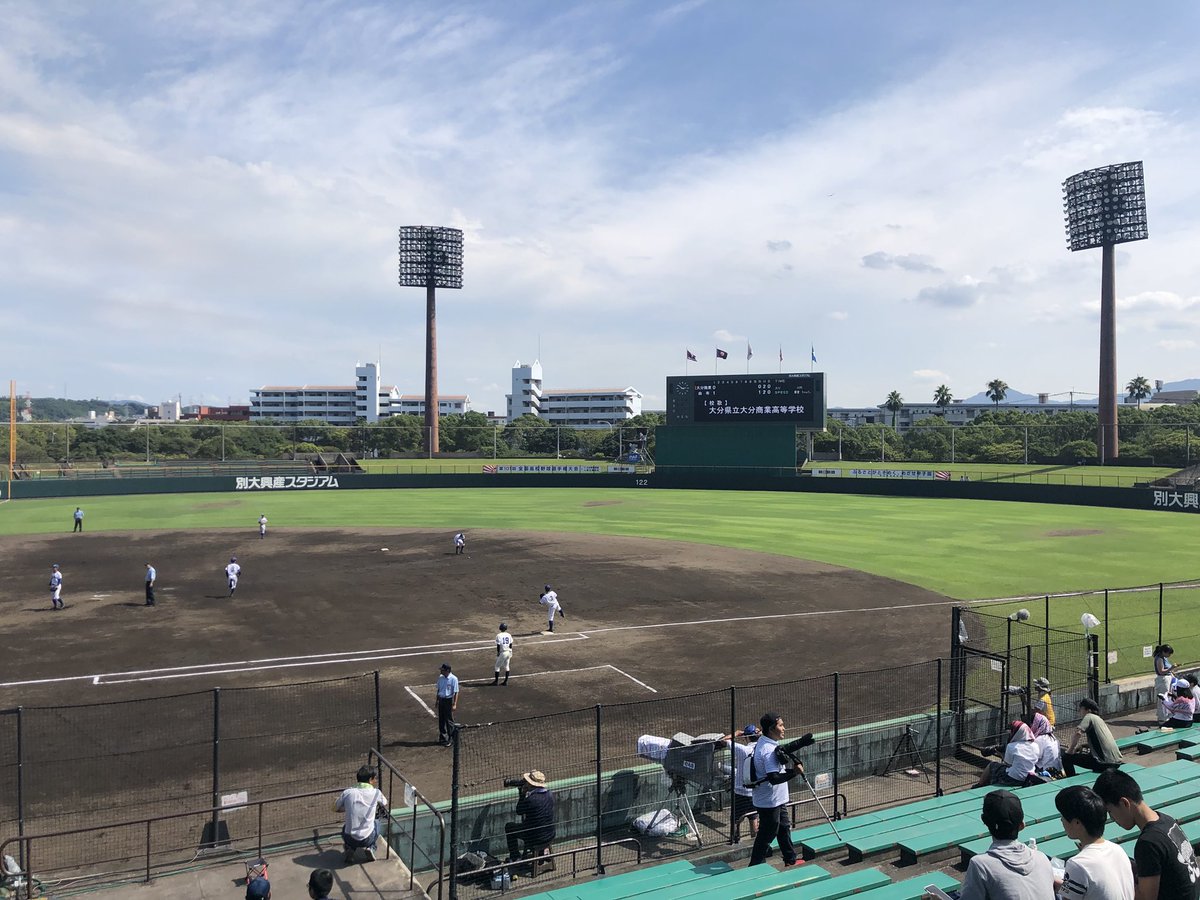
[[359, 656], [431, 687]]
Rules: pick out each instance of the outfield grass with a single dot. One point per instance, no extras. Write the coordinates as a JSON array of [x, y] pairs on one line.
[[1092, 476], [963, 548]]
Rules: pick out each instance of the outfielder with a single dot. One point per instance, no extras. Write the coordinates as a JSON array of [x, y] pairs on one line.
[[56, 588], [232, 571], [262, 526], [549, 599], [504, 649]]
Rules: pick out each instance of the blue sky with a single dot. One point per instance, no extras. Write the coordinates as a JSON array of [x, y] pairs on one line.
[[198, 198]]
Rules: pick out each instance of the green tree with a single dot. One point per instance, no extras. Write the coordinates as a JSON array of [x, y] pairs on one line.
[[1139, 390], [893, 404], [942, 397], [997, 390]]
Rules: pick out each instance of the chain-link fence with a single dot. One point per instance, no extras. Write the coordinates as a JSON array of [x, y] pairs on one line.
[[880, 736], [137, 759]]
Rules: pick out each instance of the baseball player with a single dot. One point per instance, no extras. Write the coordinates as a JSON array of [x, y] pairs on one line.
[[549, 599], [262, 526], [56, 588], [151, 577], [460, 544], [232, 571], [504, 649]]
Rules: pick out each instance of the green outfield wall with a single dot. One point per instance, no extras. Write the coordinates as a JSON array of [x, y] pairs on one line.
[[668, 478]]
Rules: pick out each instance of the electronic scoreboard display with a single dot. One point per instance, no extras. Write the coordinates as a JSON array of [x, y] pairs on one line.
[[797, 398]]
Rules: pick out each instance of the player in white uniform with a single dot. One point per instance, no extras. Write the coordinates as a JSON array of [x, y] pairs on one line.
[[56, 588], [262, 526], [232, 571], [460, 544], [504, 649], [549, 599]]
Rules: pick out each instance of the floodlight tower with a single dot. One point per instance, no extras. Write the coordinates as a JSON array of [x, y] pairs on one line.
[[430, 257], [1105, 207]]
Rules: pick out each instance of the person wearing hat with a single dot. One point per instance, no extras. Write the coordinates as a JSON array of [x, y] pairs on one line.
[[56, 588], [743, 796], [549, 599], [361, 805], [232, 571], [1179, 704], [262, 526], [1020, 759], [1043, 703], [504, 649], [535, 806], [78, 520], [447, 703], [320, 883], [258, 889], [1008, 870], [151, 577], [1163, 857], [460, 544]]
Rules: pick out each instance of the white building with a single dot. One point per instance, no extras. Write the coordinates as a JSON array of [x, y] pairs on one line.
[[526, 396], [579, 408], [414, 404], [337, 404]]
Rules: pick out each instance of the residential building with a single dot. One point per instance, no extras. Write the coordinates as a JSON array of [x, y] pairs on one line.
[[414, 405], [579, 408], [526, 396]]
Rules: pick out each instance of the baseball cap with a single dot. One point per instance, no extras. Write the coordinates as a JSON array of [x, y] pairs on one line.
[[1181, 684], [233, 559], [446, 666], [1003, 808], [750, 731], [1042, 684], [258, 889], [547, 587], [55, 566]]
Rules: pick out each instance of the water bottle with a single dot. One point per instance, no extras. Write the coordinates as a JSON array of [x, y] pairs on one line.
[[1031, 844]]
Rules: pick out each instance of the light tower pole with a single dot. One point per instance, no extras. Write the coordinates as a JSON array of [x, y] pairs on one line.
[[430, 257], [1105, 207]]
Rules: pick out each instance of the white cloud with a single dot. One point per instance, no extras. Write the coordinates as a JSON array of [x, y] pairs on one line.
[[910, 262], [837, 315], [962, 292], [930, 375], [1171, 345]]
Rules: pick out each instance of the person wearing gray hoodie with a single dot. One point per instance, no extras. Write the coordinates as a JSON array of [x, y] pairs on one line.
[[1009, 870]]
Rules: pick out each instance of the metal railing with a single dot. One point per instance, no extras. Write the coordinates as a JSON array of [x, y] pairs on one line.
[[394, 774], [487, 871]]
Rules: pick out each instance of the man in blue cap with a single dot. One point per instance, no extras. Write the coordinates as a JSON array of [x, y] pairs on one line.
[[743, 796]]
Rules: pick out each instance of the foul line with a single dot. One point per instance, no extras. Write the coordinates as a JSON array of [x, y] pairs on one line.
[[363, 656], [425, 706]]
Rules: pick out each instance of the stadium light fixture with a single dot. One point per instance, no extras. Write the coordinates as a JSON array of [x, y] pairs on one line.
[[431, 257], [1102, 208]]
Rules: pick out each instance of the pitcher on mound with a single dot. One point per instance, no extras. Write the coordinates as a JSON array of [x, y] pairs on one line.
[[549, 599]]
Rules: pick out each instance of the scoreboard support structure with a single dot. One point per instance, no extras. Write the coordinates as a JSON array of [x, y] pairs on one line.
[[727, 446]]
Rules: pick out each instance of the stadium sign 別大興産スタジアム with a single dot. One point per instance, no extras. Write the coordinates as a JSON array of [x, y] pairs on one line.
[[285, 482], [1184, 501]]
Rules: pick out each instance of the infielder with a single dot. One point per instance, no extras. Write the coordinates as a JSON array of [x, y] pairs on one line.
[[460, 544], [262, 526], [549, 599], [504, 649], [232, 571], [56, 588]]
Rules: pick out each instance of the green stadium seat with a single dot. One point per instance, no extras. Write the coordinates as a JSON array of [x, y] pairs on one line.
[[832, 889], [911, 888]]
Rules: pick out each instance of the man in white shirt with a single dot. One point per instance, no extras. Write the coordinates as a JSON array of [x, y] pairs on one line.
[[262, 526], [743, 795], [1101, 870], [447, 704], [504, 649], [56, 588], [361, 804], [549, 599], [772, 771], [232, 571], [460, 544]]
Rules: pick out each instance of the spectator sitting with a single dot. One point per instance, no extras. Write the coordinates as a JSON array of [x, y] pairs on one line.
[[258, 889], [1103, 752], [320, 883], [1008, 869], [1178, 704], [1043, 704], [1020, 760], [535, 806], [1049, 753], [1101, 869], [1194, 679]]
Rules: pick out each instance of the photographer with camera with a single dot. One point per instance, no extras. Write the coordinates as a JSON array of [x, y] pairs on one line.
[[535, 806], [772, 767], [362, 804]]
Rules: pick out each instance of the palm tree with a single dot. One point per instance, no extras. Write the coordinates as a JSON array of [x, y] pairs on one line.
[[942, 397], [996, 391], [894, 403], [1139, 390]]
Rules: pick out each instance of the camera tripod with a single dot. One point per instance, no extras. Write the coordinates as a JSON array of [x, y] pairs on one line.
[[906, 746], [677, 796]]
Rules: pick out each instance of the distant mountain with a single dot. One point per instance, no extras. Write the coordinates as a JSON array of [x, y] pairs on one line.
[[1013, 396], [57, 409], [1188, 384]]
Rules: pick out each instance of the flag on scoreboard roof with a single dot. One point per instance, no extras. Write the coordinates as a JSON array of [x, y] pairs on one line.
[[691, 357], [749, 352], [781, 352], [721, 354], [814, 352]]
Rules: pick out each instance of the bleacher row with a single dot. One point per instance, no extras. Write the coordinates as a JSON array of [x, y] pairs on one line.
[[923, 831]]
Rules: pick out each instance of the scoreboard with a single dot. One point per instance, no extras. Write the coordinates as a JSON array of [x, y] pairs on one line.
[[796, 398]]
